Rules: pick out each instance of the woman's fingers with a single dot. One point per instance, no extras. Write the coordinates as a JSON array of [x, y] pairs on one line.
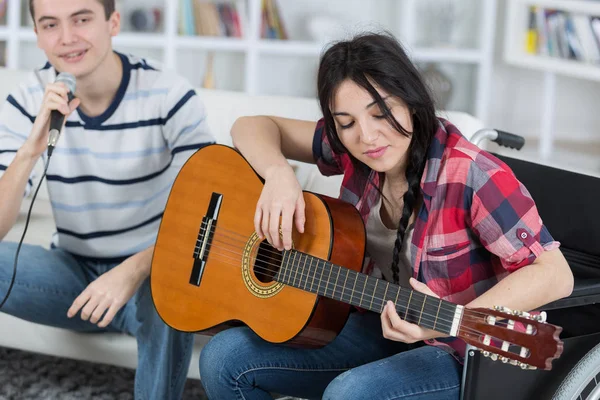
[[265, 225], [395, 328], [274, 221], [299, 214], [258, 222], [287, 217]]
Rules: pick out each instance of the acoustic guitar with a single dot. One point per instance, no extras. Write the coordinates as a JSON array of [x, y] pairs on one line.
[[210, 269]]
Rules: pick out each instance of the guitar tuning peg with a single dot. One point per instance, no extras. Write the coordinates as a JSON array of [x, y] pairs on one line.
[[486, 353], [541, 317], [494, 357], [504, 359], [526, 366]]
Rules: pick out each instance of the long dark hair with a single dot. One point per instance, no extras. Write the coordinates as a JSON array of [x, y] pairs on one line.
[[378, 58]]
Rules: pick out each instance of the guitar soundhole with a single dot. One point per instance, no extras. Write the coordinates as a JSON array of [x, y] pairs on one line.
[[267, 263]]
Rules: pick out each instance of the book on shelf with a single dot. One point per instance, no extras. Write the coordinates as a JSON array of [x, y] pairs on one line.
[[272, 26], [212, 18], [3, 5], [565, 35]]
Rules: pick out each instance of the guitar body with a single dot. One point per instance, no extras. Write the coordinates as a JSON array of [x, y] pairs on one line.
[[233, 283]]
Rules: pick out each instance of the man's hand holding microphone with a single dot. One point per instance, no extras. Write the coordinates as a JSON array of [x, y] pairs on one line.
[[58, 103]]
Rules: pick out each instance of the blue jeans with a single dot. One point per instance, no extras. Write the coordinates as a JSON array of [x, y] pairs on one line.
[[47, 283], [359, 364]]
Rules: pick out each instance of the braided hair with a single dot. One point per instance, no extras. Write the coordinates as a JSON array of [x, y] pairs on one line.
[[378, 58]]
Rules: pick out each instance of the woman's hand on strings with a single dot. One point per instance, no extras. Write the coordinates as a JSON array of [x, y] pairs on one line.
[[281, 202], [397, 329]]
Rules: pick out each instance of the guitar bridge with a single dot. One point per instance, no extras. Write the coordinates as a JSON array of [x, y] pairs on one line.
[[205, 236]]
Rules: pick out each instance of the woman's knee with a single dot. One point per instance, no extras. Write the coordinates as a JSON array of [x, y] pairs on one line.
[[347, 386]]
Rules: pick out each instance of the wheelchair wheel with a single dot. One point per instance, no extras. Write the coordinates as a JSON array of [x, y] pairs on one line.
[[583, 382]]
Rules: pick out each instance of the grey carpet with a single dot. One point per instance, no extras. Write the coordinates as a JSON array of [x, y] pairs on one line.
[[29, 376]]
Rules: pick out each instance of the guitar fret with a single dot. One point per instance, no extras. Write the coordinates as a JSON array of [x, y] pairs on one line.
[[408, 305], [374, 293], [344, 286], [328, 278], [321, 277], [437, 314], [385, 294], [307, 274], [352, 293], [278, 276], [422, 307], [297, 267], [285, 268], [363, 291], [312, 284], [301, 261], [396, 305], [296, 274], [336, 282]]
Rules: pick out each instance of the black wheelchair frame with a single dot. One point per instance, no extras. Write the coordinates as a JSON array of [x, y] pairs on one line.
[[566, 202]]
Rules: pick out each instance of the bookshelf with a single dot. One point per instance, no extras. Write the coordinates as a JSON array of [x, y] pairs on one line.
[[269, 66], [552, 65]]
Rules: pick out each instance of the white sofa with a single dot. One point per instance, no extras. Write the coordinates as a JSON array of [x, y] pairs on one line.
[[119, 349]]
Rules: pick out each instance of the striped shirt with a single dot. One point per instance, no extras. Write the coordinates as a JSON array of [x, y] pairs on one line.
[[110, 175]]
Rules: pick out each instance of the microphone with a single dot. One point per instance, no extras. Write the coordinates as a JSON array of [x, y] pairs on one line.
[[56, 117]]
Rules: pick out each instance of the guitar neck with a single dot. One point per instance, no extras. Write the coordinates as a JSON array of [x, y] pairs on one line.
[[321, 277]]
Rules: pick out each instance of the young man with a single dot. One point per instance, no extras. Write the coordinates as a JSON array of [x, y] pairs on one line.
[[128, 131]]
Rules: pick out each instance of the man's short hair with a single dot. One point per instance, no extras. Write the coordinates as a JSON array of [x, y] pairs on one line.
[[109, 8]]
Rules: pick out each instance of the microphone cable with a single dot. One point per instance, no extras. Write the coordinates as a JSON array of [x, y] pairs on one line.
[[14, 274], [56, 121]]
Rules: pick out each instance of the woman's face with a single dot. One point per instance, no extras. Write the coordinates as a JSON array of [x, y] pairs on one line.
[[366, 133]]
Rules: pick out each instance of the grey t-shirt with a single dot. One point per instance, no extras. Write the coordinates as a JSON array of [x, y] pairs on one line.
[[380, 247]]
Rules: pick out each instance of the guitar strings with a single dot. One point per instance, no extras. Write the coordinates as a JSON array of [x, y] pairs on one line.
[[306, 274], [279, 254], [463, 329], [278, 266], [352, 292]]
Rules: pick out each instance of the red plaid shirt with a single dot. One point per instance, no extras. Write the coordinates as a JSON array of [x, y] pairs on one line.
[[477, 224]]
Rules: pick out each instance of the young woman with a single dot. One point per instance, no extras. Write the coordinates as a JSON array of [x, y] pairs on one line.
[[441, 215]]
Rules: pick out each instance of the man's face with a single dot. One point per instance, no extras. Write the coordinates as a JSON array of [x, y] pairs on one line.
[[74, 34]]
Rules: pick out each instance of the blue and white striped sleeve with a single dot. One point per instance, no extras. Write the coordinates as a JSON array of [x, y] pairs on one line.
[[16, 122], [186, 128]]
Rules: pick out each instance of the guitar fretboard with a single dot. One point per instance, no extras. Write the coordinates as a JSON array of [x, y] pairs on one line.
[[315, 275]]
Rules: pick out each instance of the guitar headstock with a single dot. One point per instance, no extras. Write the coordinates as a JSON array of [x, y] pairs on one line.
[[515, 337]]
